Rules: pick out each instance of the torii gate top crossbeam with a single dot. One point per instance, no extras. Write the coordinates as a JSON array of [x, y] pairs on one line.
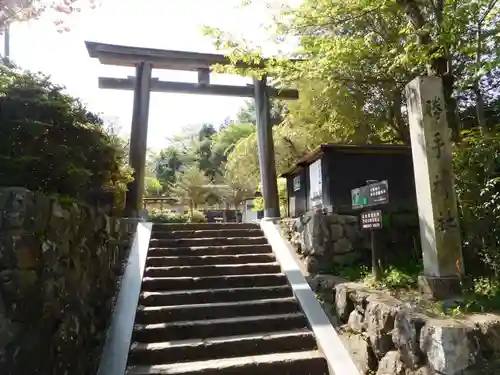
[[113, 54]]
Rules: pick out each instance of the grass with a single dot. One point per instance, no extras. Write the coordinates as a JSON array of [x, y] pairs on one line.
[[480, 294]]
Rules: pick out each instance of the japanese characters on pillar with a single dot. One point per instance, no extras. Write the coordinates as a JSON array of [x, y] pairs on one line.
[[432, 160]]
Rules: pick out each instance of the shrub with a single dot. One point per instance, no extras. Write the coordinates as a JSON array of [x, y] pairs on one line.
[[477, 170], [165, 216], [50, 142], [197, 217]]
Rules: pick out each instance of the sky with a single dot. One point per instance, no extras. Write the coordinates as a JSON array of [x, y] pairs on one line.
[[165, 24]]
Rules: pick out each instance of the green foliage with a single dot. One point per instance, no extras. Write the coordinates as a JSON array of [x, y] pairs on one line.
[[225, 140], [350, 273], [191, 187], [167, 164], [247, 114], [19, 10], [197, 217], [477, 169], [165, 216], [203, 152], [159, 216], [282, 196], [152, 186], [50, 142], [395, 278]]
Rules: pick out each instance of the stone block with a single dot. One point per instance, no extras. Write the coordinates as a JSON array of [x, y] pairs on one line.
[[447, 347], [27, 251], [379, 322], [488, 333], [391, 364], [346, 258], [336, 232], [355, 321], [439, 288], [17, 208], [348, 219], [406, 336], [333, 219], [352, 232], [360, 351], [342, 246], [59, 221], [325, 282], [343, 304], [19, 289]]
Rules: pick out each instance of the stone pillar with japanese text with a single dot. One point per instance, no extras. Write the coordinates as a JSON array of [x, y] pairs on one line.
[[436, 199]]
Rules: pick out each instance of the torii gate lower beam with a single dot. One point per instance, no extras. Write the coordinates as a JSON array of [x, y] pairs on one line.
[[144, 60]]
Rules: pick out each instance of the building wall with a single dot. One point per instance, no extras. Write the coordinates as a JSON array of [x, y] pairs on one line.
[[297, 199], [248, 214], [346, 171]]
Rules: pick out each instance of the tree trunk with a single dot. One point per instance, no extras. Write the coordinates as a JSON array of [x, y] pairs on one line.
[[437, 66], [396, 118]]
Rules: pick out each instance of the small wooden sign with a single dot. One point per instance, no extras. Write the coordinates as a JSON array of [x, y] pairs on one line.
[[371, 220]]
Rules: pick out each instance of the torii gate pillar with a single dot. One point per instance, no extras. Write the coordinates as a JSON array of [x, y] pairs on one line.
[[265, 143], [145, 59], [138, 137]]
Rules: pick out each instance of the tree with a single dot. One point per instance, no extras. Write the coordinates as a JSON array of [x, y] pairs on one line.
[[366, 51], [226, 139], [203, 151], [234, 194], [22, 10], [247, 114], [167, 164], [190, 187]]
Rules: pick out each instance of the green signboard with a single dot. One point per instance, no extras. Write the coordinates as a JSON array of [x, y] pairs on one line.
[[370, 195]]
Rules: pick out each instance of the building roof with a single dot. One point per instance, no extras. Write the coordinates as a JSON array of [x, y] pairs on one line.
[[317, 153], [113, 54]]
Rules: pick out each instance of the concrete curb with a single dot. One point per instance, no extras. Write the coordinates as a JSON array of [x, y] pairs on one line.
[[117, 345], [338, 358]]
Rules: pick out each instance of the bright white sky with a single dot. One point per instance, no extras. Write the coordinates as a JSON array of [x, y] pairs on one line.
[[167, 24]]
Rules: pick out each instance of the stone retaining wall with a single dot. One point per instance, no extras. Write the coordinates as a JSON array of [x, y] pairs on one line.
[[59, 267], [325, 239], [388, 337]]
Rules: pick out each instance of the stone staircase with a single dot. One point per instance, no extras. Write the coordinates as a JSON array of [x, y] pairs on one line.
[[214, 301]]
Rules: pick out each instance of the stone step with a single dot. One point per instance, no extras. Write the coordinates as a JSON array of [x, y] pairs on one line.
[[209, 260], [214, 241], [295, 363], [212, 270], [202, 226], [208, 233], [155, 251], [221, 347], [166, 314], [211, 282], [218, 327], [181, 297]]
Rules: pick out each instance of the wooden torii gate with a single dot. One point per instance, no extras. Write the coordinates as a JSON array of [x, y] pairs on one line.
[[145, 60]]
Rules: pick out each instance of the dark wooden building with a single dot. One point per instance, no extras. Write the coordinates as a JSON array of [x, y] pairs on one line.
[[325, 177]]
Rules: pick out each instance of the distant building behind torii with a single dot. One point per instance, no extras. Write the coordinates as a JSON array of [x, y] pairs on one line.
[[146, 59]]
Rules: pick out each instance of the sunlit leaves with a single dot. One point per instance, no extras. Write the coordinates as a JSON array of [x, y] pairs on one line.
[[22, 10]]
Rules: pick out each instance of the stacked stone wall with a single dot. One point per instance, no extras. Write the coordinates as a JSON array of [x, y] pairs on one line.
[[388, 337], [59, 270], [326, 239]]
